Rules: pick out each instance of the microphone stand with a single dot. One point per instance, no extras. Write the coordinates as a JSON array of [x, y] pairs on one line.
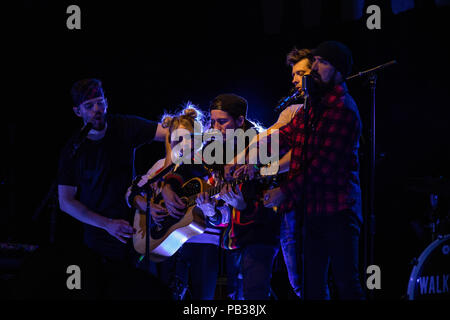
[[148, 224], [304, 167], [369, 216], [148, 217]]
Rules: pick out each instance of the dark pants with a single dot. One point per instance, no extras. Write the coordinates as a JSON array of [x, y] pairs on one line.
[[253, 264], [290, 240], [195, 266], [332, 240]]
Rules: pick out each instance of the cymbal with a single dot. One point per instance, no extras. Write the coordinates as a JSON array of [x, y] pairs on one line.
[[429, 184]]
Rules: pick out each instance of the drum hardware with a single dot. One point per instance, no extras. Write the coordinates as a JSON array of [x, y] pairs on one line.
[[435, 188], [414, 262], [429, 278], [430, 274]]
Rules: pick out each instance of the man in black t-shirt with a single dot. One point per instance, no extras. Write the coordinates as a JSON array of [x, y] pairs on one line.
[[92, 183]]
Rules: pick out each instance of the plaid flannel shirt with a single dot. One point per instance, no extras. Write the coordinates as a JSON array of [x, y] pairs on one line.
[[332, 156]]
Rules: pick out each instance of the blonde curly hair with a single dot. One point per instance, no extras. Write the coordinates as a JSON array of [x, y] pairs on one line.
[[189, 115]]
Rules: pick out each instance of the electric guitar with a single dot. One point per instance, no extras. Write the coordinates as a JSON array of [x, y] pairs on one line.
[[169, 235]]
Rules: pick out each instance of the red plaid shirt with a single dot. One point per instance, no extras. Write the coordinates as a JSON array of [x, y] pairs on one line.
[[332, 156]]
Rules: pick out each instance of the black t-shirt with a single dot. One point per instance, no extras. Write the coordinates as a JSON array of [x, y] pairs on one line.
[[102, 171]]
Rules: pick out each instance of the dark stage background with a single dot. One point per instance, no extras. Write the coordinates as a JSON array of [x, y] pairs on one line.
[[157, 56]]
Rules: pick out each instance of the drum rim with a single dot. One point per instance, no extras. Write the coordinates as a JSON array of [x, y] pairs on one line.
[[423, 256]]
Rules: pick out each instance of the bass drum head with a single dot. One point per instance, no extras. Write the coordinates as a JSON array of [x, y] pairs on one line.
[[429, 278]]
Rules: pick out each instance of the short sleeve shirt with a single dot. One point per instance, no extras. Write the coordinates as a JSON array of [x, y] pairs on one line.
[[102, 171]]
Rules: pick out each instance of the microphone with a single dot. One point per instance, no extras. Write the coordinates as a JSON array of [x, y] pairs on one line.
[[306, 85], [284, 102], [81, 137], [85, 131]]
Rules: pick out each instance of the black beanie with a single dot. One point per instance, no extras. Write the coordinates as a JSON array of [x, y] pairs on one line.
[[233, 104], [336, 53]]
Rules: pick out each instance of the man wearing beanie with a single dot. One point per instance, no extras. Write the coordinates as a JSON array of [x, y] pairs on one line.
[[331, 206], [93, 178]]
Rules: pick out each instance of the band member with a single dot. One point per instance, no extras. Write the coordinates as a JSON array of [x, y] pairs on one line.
[[251, 232], [195, 265], [92, 180], [333, 196], [300, 61]]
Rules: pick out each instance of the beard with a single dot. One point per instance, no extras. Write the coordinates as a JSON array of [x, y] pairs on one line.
[[319, 87], [99, 122]]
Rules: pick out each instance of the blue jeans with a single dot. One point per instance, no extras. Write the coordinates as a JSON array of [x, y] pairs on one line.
[[332, 241], [253, 263], [290, 240]]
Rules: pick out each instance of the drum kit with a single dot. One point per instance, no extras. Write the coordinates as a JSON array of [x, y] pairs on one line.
[[429, 278]]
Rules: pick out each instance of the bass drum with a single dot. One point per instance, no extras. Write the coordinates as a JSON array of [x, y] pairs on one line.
[[429, 278]]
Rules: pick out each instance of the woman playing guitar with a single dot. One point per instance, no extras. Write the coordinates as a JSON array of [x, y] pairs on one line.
[[195, 263]]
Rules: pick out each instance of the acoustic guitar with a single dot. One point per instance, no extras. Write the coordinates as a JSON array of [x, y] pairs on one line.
[[169, 235]]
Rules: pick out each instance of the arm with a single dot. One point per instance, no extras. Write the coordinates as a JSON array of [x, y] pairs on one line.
[[161, 133], [285, 133], [119, 229], [282, 166], [69, 204], [285, 118], [141, 131]]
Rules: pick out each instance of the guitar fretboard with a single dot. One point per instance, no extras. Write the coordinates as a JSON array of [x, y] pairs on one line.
[[215, 190]]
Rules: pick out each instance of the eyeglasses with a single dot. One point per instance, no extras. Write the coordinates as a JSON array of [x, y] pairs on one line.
[[102, 103]]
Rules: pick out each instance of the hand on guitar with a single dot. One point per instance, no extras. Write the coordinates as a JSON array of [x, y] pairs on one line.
[[119, 229], [234, 199], [245, 169], [173, 203], [158, 212], [273, 198], [228, 171], [206, 204]]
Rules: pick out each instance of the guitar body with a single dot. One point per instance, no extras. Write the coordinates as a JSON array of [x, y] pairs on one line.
[[172, 233]]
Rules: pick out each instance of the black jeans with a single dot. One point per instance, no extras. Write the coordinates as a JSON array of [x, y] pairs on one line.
[[195, 266], [249, 271], [332, 240]]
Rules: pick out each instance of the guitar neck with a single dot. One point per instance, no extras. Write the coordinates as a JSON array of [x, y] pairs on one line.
[[215, 190]]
